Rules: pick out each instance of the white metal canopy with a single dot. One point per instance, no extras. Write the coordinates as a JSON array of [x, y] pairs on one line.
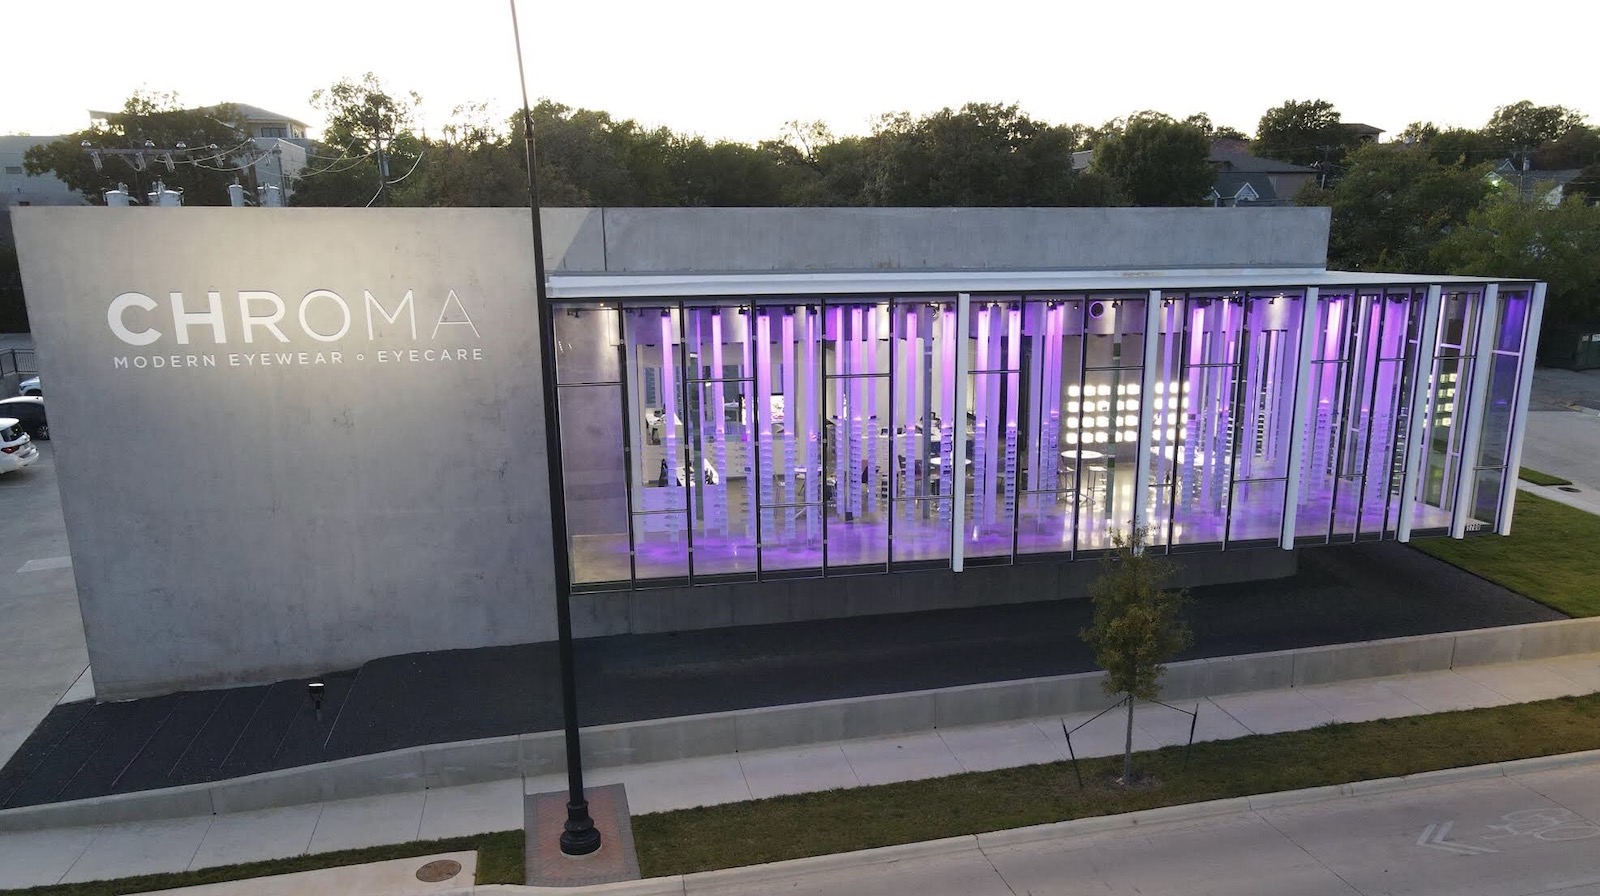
[[623, 286]]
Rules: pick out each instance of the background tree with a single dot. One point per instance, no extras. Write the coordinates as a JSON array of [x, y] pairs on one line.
[[1586, 185], [1577, 148], [1136, 626], [1393, 205], [1157, 161], [369, 144], [1509, 237], [474, 164], [1214, 132], [1304, 132], [1522, 127], [157, 119], [985, 154], [1461, 147]]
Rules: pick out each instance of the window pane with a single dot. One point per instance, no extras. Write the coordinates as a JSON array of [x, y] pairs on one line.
[[855, 399], [596, 488], [995, 405], [1053, 426], [587, 339], [1257, 510]]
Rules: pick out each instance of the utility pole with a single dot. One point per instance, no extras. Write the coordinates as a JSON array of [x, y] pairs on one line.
[[383, 160]]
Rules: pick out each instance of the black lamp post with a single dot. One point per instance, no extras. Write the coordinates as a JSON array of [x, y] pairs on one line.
[[579, 836]]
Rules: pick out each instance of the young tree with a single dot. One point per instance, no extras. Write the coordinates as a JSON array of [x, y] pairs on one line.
[[1136, 626], [1157, 161]]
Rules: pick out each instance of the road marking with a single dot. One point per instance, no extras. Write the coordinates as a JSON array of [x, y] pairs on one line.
[[1433, 838], [1548, 823], [45, 563]]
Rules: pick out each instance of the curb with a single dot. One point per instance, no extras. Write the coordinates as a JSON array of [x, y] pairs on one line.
[[720, 734], [866, 858]]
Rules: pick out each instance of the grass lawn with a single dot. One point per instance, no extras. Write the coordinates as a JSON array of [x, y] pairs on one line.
[[1538, 478], [1552, 555], [812, 824]]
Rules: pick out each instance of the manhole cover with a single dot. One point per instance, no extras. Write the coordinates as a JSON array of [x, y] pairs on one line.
[[1567, 488], [438, 872]]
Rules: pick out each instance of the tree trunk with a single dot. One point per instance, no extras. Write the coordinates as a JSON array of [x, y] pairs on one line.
[[1127, 750]]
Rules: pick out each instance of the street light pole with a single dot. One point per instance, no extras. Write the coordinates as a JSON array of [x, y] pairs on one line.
[[579, 836]]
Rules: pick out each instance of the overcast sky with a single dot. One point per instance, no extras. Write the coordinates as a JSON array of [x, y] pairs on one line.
[[740, 69]]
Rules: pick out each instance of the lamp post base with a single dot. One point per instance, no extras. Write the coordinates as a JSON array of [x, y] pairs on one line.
[[579, 836]]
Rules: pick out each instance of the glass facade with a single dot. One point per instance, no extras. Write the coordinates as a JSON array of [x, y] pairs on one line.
[[755, 438]]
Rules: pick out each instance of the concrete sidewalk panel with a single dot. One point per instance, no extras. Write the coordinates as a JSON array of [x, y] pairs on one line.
[[1372, 659], [38, 858], [1361, 701], [1444, 691], [472, 809], [911, 758], [257, 836], [1010, 745], [372, 821], [685, 784], [1582, 670], [150, 847], [1272, 712], [779, 772], [471, 761], [1523, 682]]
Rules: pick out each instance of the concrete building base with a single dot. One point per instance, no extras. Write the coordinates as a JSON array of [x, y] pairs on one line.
[[701, 606]]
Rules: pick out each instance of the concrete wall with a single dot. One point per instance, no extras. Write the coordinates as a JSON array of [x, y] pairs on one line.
[[239, 519], [637, 240], [247, 523]]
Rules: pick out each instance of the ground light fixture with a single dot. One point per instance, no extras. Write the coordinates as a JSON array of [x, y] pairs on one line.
[[315, 690]]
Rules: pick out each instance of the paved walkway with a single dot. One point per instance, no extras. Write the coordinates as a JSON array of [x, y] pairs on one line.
[[78, 854]]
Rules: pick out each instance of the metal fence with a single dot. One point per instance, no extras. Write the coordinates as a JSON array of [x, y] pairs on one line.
[[18, 361]]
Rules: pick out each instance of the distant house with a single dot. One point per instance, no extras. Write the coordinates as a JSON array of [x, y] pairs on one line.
[[18, 187], [280, 143], [1242, 179], [1364, 133], [1548, 187]]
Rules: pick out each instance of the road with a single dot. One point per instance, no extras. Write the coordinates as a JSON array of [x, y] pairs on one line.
[[42, 650], [1534, 833]]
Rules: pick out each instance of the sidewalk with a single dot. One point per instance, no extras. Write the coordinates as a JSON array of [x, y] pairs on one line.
[[78, 854]]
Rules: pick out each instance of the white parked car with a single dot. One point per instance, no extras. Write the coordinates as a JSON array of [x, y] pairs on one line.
[[16, 447], [30, 386]]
